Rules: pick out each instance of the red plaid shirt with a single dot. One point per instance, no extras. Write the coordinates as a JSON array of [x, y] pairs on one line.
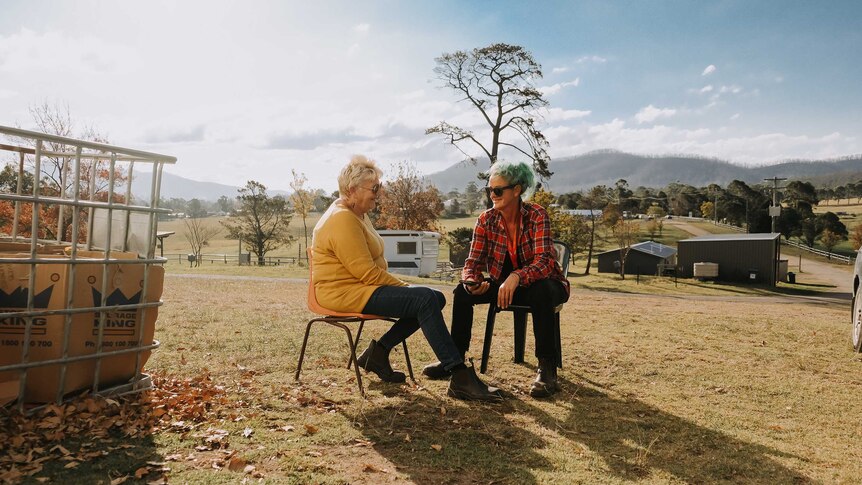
[[536, 254]]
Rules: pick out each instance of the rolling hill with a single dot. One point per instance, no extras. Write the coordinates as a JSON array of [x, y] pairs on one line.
[[608, 166]]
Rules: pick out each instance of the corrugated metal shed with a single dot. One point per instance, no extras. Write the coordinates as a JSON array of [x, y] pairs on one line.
[[749, 258]]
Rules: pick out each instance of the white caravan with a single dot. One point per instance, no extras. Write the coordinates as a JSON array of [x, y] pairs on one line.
[[411, 253]]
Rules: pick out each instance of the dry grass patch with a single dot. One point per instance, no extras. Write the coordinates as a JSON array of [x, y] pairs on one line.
[[655, 389]]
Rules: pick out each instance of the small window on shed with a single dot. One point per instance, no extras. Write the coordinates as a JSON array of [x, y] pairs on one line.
[[406, 247]]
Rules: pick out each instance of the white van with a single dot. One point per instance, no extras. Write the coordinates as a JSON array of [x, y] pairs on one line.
[[412, 253]]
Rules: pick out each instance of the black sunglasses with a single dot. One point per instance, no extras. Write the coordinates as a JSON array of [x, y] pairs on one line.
[[374, 188], [498, 191]]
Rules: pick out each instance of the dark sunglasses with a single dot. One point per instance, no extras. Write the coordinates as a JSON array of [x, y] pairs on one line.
[[498, 191], [374, 188]]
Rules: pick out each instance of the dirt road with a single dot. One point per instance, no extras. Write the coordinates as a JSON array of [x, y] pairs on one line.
[[831, 280]]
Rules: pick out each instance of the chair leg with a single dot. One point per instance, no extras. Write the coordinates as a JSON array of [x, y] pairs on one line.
[[489, 334], [302, 351], [407, 358], [520, 319], [353, 359], [358, 334], [558, 340]]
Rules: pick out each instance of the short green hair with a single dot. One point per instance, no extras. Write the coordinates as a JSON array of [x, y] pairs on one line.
[[516, 174]]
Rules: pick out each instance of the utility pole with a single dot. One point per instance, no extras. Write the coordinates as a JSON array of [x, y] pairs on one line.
[[775, 209]]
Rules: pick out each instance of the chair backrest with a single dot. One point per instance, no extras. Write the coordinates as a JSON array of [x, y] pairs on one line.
[[564, 253]]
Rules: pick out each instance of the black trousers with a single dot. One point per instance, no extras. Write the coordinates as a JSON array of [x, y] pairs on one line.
[[542, 296]]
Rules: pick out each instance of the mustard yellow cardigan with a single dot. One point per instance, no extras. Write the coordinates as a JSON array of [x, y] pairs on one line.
[[347, 254]]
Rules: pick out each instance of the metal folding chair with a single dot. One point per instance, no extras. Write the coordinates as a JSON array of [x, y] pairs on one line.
[[520, 318], [340, 320]]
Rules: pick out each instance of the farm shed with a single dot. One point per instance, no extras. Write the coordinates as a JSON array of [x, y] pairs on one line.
[[749, 258], [643, 258]]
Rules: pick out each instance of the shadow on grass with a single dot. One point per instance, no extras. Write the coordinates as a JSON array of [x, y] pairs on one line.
[[634, 438], [123, 455], [477, 442]]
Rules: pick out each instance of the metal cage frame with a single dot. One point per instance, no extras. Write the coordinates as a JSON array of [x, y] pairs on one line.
[[31, 148]]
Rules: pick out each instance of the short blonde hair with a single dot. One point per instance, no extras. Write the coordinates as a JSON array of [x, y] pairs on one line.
[[358, 169]]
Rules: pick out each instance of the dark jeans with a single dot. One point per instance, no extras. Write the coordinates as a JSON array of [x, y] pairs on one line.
[[542, 296], [416, 307]]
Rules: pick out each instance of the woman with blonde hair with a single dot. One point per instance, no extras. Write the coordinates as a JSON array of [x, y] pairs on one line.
[[350, 276]]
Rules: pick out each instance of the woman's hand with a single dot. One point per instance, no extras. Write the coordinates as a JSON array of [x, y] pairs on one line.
[[507, 290], [478, 289]]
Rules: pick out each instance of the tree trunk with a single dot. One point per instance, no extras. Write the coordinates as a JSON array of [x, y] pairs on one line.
[[592, 240]]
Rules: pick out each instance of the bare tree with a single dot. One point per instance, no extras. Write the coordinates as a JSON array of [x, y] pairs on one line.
[[261, 221], [56, 170], [625, 233], [407, 202], [198, 233], [498, 81], [595, 200], [302, 200]]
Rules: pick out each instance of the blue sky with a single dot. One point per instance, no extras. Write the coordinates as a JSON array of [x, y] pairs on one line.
[[251, 90]]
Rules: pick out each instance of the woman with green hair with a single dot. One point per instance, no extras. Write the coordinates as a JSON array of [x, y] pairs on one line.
[[512, 241]]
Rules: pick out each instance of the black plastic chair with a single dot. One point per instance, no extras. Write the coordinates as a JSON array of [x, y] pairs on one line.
[[520, 317]]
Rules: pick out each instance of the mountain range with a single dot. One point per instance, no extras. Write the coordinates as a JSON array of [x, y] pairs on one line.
[[579, 173]]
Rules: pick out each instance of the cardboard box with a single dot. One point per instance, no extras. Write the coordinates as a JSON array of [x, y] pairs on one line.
[[52, 286]]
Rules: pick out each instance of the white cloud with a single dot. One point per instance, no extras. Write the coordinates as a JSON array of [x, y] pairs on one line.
[[556, 88], [362, 28], [558, 114], [651, 113], [735, 117], [28, 50], [595, 59], [558, 70], [706, 88], [353, 49], [732, 89], [708, 70]]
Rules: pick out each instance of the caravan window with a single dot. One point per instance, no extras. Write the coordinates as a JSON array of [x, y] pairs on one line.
[[406, 247]]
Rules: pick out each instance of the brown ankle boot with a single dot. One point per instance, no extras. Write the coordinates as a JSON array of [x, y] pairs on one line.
[[546, 379], [376, 359], [465, 384]]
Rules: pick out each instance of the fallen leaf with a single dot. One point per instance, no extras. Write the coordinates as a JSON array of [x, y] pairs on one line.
[[407, 438], [314, 453], [437, 447], [183, 359], [371, 468], [174, 457], [246, 433], [236, 464], [287, 428], [248, 468], [310, 428], [119, 480], [442, 410], [140, 472]]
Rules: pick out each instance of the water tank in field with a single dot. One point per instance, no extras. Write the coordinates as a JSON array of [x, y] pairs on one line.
[[705, 270]]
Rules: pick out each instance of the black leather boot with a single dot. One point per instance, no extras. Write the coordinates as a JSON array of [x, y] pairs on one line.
[[376, 359], [546, 379], [436, 371], [465, 384]]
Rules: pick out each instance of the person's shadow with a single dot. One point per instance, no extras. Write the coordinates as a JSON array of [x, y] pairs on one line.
[[488, 442], [433, 440], [633, 438]]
